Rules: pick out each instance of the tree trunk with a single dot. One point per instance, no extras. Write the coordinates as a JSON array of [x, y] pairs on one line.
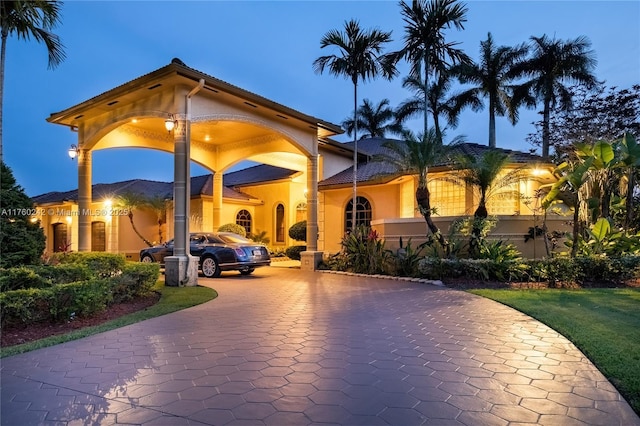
[[147, 242], [3, 49], [492, 122], [423, 199], [545, 128], [576, 227], [628, 219], [355, 154]]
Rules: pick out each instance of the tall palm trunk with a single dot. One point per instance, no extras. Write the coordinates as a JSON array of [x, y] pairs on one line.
[[576, 227], [492, 120], [355, 154], [147, 242], [629, 202], [426, 94], [545, 128]]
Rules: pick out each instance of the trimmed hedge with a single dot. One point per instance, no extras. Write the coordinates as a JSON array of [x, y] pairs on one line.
[[64, 301], [102, 265], [233, 227], [557, 272], [22, 277], [293, 252]]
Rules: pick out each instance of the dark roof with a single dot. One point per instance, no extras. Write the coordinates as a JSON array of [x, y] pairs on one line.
[[375, 171], [257, 174], [200, 185]]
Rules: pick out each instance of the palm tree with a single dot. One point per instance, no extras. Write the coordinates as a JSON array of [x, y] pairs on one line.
[[554, 62], [360, 58], [131, 201], [486, 174], [158, 204], [373, 120], [425, 47], [414, 156], [437, 104], [26, 19], [491, 77]]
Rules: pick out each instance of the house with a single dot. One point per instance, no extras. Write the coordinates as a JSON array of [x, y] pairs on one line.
[[304, 173]]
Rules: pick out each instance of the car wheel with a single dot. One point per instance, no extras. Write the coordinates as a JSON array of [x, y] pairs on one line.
[[210, 268], [247, 271], [146, 259]]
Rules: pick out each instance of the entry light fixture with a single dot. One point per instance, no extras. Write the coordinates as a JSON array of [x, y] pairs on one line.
[[170, 123], [73, 151]]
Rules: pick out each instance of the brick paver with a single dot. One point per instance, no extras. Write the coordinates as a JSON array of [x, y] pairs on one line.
[[289, 347]]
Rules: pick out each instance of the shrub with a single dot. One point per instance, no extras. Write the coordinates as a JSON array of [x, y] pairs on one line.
[[259, 237], [25, 306], [293, 252], [64, 273], [80, 299], [21, 278], [406, 259], [136, 279], [233, 227], [298, 231], [365, 252], [102, 265]]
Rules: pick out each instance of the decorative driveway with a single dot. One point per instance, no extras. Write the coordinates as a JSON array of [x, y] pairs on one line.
[[289, 347]]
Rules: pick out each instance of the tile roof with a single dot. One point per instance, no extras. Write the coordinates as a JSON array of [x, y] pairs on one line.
[[200, 185], [374, 171]]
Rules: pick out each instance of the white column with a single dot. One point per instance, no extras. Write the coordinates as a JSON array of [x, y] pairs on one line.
[[84, 200], [312, 202]]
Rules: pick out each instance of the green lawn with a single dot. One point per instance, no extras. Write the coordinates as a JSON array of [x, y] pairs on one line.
[[603, 323], [172, 299]]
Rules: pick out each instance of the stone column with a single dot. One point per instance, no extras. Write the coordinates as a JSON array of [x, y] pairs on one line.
[[217, 200], [84, 200], [311, 258], [181, 269]]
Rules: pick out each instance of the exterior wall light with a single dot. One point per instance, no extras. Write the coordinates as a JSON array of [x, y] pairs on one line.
[[170, 123], [73, 151]]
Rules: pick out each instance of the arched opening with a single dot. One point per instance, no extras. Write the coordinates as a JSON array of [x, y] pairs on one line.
[[98, 236], [280, 223], [243, 218], [363, 213]]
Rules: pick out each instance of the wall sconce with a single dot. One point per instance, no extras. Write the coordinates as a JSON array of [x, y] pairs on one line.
[[170, 123], [74, 151]]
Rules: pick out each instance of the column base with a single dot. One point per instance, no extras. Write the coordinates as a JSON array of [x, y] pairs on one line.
[[309, 260], [181, 271]]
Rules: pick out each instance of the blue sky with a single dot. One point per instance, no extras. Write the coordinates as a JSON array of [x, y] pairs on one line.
[[266, 47]]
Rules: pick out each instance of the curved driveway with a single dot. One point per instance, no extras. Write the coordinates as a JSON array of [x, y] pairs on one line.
[[290, 347]]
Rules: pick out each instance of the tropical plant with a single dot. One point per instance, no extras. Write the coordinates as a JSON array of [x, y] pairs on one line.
[[360, 58], [131, 201], [414, 156], [233, 227], [425, 46], [22, 240], [552, 63], [259, 237], [492, 77], [406, 258], [365, 251], [375, 121], [158, 204], [26, 19], [437, 103]]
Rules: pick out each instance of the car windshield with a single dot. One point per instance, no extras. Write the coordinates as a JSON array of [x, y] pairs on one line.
[[233, 238]]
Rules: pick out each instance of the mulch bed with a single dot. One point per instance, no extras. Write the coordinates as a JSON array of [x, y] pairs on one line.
[[16, 335]]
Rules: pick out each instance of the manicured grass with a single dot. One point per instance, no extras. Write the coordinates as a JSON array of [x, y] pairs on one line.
[[172, 299], [603, 323]]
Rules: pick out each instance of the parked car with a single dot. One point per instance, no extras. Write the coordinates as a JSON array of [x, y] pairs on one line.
[[221, 251]]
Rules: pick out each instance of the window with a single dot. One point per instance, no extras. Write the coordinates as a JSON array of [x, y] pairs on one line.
[[98, 236], [447, 198], [280, 223], [301, 212], [363, 213], [504, 201], [243, 218], [60, 237]]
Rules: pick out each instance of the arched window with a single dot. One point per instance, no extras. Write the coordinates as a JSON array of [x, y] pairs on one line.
[[363, 213], [301, 212], [98, 237], [243, 218], [280, 223], [60, 237]]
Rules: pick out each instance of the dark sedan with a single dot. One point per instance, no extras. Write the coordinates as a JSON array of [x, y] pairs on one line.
[[222, 251]]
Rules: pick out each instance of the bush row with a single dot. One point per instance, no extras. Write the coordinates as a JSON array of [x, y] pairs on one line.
[[557, 272], [64, 301]]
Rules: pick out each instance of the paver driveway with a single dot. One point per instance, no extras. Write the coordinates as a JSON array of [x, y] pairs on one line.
[[290, 347]]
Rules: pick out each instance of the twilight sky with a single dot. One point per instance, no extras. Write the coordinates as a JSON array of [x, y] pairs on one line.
[[268, 48]]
